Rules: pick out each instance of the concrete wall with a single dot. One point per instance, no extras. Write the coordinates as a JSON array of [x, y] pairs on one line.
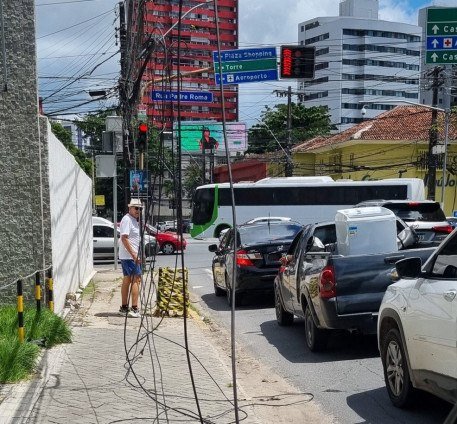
[[21, 229], [44, 195], [70, 192]]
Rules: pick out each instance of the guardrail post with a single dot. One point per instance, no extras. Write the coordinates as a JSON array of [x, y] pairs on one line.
[[20, 311], [38, 291], [50, 289]]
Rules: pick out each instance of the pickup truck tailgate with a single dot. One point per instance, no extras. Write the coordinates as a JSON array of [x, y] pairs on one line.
[[363, 279]]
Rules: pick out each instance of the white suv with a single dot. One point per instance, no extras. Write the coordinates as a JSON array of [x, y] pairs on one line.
[[417, 327]]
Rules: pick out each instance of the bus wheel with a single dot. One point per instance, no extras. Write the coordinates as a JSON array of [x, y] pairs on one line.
[[217, 231]]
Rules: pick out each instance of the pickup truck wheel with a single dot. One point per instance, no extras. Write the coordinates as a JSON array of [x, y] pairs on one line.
[[283, 317], [316, 339], [396, 372]]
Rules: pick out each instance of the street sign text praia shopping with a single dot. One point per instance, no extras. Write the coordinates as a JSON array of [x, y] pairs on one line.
[[441, 42]]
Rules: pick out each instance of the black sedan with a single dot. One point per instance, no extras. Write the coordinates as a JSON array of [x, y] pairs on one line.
[[258, 250]]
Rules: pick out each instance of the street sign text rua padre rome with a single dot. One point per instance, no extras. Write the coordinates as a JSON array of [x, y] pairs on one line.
[[441, 36], [246, 65]]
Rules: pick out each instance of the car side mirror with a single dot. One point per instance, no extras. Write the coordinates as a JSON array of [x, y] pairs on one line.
[[409, 267], [213, 248]]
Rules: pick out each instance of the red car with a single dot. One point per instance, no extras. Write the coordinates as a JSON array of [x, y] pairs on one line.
[[169, 242]]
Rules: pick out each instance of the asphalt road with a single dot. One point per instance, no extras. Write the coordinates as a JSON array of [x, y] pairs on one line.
[[346, 380]]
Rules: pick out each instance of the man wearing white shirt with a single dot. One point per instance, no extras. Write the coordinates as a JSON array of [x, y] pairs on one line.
[[130, 257]]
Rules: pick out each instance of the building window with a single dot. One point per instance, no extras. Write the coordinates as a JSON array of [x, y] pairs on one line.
[[373, 106], [384, 34], [371, 92], [322, 65], [302, 28], [381, 49], [351, 120], [321, 37], [380, 63], [320, 52], [315, 96], [316, 81], [373, 77], [312, 25]]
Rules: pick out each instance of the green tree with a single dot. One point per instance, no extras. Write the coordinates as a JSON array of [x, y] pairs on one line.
[[92, 127], [192, 179], [64, 136], [306, 124]]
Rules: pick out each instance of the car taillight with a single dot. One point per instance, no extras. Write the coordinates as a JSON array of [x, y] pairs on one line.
[[244, 258], [327, 286], [443, 229]]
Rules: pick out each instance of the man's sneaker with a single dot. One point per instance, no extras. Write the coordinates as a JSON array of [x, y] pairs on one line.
[[124, 310], [134, 313]]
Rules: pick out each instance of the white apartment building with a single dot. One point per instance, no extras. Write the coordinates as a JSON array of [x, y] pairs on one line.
[[360, 58]]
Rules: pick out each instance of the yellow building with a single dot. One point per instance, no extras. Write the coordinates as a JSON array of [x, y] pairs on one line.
[[394, 144]]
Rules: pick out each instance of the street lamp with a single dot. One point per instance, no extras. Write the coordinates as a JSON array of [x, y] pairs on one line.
[[447, 113]]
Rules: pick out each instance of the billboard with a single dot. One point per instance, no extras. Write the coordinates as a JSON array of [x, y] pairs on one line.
[[196, 135], [138, 181]]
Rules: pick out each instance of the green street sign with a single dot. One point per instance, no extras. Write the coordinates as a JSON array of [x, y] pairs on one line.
[[442, 21], [441, 57], [247, 65]]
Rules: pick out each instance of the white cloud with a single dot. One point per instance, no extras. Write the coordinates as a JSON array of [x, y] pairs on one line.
[[276, 22], [398, 11]]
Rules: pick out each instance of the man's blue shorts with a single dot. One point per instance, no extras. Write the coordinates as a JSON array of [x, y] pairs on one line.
[[129, 267]]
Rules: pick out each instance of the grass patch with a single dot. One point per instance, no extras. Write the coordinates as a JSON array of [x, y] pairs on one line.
[[89, 290], [18, 360]]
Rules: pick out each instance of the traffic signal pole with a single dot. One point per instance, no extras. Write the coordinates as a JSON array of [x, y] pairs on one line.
[[289, 163]]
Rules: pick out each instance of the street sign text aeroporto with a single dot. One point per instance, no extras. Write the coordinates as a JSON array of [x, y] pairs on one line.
[[441, 36]]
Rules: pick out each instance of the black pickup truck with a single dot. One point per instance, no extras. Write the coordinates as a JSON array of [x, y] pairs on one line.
[[331, 291]]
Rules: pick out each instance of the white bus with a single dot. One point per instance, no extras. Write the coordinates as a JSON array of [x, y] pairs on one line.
[[304, 199]]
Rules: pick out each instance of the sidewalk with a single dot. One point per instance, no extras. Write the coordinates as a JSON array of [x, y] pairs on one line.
[[90, 381]]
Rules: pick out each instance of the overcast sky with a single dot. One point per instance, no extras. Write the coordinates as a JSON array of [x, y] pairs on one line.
[[75, 36]]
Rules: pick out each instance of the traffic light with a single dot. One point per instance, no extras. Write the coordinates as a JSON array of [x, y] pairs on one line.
[[297, 62], [142, 138]]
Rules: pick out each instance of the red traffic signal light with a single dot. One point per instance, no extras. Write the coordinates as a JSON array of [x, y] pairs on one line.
[[142, 139], [143, 128], [297, 62]]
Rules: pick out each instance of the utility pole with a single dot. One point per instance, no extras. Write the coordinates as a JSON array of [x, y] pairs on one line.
[[123, 101], [433, 140], [289, 166]]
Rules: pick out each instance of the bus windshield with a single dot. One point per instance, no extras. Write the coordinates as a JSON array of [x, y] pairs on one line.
[[203, 205]]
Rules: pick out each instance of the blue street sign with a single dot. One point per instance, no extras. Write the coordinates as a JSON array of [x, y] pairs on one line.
[[242, 77], [185, 96], [442, 43], [245, 54]]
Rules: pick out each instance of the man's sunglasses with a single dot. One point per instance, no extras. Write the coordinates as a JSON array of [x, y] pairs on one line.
[[137, 208]]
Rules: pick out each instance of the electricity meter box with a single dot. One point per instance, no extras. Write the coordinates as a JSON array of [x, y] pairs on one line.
[[370, 230]]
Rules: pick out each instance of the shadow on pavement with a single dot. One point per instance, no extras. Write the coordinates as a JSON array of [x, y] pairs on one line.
[[372, 404], [290, 343], [248, 301], [109, 314]]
